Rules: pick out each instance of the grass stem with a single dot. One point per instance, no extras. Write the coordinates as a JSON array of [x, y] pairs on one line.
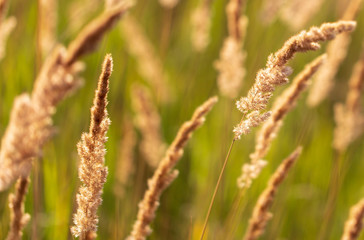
[[216, 188]]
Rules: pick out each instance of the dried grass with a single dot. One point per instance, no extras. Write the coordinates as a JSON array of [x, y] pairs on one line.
[[286, 102], [165, 174], [261, 214], [30, 123], [276, 72], [92, 170]]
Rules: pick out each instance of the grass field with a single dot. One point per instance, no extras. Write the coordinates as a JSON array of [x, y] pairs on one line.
[[299, 210]]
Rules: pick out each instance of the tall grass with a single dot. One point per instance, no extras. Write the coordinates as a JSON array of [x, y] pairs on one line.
[[169, 57]]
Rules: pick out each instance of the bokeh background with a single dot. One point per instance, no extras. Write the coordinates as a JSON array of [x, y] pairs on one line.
[[300, 203]]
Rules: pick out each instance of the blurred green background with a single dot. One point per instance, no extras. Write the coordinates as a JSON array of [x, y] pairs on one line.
[[300, 203]]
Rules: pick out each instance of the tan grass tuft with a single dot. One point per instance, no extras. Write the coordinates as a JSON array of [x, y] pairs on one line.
[[18, 218], [92, 170], [354, 223], [261, 214], [276, 72], [349, 118], [165, 174], [270, 128]]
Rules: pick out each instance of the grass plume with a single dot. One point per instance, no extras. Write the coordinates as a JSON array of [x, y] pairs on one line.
[[30, 124], [165, 174], [276, 72], [286, 101], [261, 214], [92, 169]]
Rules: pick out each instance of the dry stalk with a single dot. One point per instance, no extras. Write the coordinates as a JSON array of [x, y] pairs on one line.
[[354, 223], [165, 174], [286, 102], [148, 122], [30, 124], [92, 170], [276, 72], [18, 218], [261, 214], [349, 118]]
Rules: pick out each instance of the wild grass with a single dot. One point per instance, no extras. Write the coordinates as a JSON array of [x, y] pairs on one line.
[[170, 56]]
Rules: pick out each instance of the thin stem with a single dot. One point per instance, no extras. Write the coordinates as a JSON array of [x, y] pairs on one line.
[[216, 188]]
